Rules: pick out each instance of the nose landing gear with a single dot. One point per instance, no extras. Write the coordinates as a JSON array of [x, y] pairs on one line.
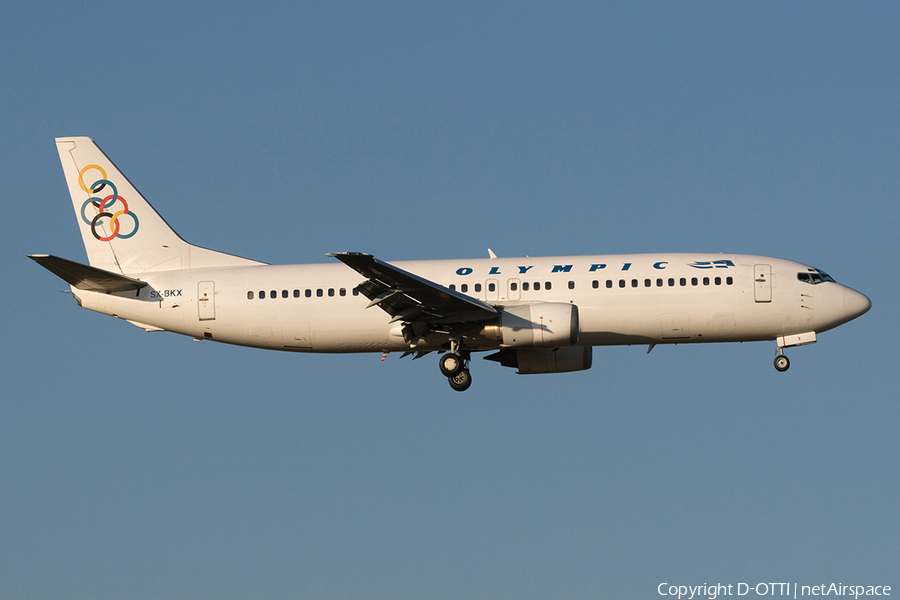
[[782, 363]]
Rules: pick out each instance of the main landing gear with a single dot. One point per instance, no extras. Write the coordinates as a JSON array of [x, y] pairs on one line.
[[461, 381], [451, 364], [455, 367]]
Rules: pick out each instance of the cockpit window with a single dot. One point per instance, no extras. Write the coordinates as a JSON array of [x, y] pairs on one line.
[[815, 276]]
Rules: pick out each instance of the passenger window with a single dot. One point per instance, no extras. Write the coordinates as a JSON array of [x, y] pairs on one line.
[[609, 283], [621, 283], [547, 286], [537, 286], [693, 281], [249, 295], [330, 292], [571, 285], [671, 281], [492, 287], [682, 281], [513, 286], [464, 287], [355, 291], [453, 286], [284, 293], [647, 283], [718, 281], [478, 287], [524, 287], [634, 283], [319, 293], [343, 291], [706, 281], [262, 294], [596, 284], [729, 280], [296, 293], [273, 294], [309, 293], [659, 282]]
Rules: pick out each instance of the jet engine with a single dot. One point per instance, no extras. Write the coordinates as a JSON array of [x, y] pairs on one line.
[[545, 360], [538, 325]]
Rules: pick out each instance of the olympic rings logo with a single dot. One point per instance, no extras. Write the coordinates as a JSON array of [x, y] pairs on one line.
[[104, 206]]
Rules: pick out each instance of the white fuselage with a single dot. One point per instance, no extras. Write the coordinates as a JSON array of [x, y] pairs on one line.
[[621, 299]]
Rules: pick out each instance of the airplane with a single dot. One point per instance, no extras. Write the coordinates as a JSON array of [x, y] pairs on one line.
[[537, 315]]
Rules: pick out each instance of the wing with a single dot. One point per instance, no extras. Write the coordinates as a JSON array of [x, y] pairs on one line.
[[408, 297], [84, 277]]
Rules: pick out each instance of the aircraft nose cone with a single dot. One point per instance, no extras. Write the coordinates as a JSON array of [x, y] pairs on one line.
[[855, 304]]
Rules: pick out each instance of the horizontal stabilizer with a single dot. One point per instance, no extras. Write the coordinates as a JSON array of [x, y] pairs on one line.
[[86, 278]]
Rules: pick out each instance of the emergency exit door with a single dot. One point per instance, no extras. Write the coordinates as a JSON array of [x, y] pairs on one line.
[[762, 283], [206, 300]]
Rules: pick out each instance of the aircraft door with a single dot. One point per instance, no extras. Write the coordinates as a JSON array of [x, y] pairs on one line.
[[762, 283], [206, 300], [492, 290], [512, 289]]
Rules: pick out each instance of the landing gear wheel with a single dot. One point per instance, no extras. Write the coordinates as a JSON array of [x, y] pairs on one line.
[[461, 381], [451, 365], [782, 363]]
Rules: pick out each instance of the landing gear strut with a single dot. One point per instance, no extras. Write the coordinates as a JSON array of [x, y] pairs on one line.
[[454, 366]]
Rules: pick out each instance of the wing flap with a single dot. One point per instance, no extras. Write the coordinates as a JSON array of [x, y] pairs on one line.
[[85, 277], [408, 297]]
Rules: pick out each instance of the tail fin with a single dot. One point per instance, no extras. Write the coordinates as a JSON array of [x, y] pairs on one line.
[[121, 231]]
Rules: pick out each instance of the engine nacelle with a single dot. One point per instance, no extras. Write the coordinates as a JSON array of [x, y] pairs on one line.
[[538, 325], [546, 360]]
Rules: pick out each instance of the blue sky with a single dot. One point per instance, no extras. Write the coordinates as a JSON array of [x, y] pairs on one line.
[[137, 465]]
